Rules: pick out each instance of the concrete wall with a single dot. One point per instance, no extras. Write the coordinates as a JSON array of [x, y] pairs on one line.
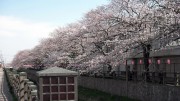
[[141, 91]]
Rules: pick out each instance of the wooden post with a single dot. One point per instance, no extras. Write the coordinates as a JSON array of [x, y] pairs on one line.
[[177, 81]]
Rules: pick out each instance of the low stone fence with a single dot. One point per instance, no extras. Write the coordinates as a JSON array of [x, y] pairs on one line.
[[136, 90], [23, 88]]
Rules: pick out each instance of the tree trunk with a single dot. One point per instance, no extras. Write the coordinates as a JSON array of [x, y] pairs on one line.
[[146, 53]]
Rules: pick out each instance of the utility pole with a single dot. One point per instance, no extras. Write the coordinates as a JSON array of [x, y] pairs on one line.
[[1, 60]]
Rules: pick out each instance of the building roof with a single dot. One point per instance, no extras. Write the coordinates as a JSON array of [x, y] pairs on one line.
[[171, 51], [56, 71]]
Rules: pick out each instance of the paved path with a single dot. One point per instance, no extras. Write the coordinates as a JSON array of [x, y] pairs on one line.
[[4, 90]]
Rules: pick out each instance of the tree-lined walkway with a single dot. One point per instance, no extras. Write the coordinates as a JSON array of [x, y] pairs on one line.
[[4, 90]]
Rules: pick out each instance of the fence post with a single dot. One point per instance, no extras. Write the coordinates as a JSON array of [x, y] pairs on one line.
[[13, 82], [31, 88], [16, 83], [22, 76], [10, 77], [26, 89], [34, 95]]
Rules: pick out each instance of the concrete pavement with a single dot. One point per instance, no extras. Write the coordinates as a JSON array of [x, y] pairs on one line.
[[4, 90]]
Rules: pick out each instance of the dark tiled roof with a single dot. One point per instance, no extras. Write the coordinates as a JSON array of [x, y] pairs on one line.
[[56, 71]]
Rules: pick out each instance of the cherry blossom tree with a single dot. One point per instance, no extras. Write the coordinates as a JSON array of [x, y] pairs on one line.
[[108, 34], [21, 59]]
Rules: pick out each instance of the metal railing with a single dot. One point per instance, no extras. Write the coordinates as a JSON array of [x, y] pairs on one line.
[[168, 78]]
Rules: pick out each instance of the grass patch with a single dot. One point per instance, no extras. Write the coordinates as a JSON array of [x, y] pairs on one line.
[[86, 94]]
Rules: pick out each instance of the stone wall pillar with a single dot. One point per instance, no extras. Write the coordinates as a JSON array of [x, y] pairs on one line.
[[30, 89], [16, 83], [25, 89], [22, 76], [34, 95], [10, 79]]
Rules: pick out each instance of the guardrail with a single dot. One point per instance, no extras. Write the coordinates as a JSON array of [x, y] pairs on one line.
[[23, 88]]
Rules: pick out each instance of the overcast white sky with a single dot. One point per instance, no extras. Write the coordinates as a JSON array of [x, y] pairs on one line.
[[23, 23]]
